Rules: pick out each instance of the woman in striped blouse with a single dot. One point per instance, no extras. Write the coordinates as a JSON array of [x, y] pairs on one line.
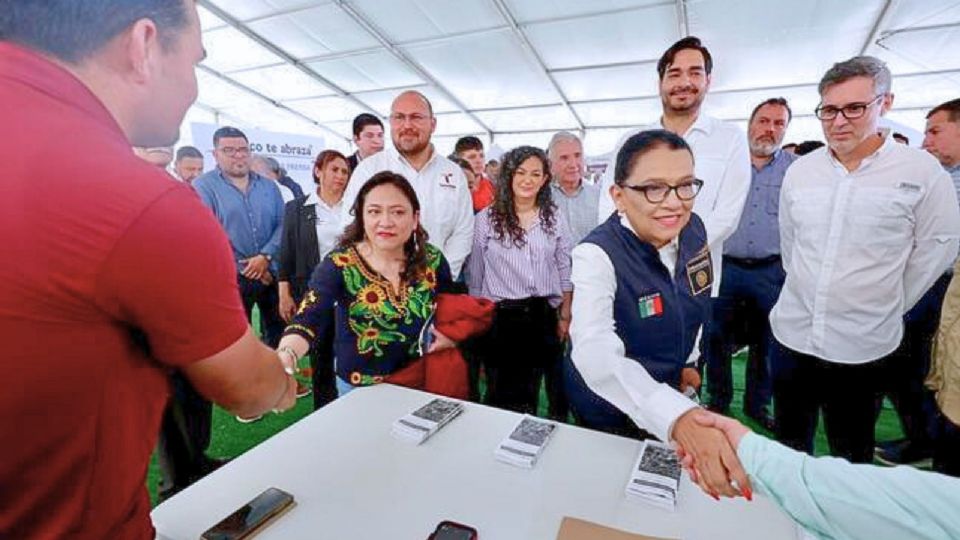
[[521, 260]]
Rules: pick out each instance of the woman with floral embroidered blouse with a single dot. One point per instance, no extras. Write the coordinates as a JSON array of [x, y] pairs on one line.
[[377, 288]]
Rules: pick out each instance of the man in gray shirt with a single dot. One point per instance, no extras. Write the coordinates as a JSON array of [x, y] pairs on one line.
[[577, 201]]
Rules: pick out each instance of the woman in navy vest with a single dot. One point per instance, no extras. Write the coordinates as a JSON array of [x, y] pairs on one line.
[[646, 276], [642, 282]]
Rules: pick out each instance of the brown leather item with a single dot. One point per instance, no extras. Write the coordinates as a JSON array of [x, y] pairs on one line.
[[458, 316]]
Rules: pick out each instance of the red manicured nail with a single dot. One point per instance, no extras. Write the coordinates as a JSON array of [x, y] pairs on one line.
[[748, 493]]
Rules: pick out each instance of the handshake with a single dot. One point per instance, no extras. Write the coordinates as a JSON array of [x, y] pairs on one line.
[[707, 446]]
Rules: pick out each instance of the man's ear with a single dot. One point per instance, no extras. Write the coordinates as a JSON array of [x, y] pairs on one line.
[[886, 104], [141, 49]]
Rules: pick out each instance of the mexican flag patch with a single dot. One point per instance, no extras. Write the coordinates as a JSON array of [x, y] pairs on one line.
[[650, 305]]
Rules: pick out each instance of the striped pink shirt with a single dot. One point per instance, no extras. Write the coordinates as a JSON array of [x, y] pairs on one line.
[[499, 270]]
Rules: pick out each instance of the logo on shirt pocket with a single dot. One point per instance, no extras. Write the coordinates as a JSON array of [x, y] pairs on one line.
[[700, 273], [650, 305]]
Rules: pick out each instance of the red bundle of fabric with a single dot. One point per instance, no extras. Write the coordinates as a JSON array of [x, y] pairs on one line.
[[458, 316]]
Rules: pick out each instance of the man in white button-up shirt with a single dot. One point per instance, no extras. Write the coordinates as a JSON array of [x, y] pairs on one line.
[[446, 209], [866, 226], [720, 151]]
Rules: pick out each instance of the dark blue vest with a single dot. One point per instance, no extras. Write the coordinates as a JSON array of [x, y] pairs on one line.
[[656, 316]]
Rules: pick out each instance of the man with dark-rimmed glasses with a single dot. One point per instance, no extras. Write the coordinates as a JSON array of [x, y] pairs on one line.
[[866, 226]]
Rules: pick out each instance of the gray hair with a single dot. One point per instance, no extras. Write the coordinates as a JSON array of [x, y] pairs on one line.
[[272, 164], [562, 136], [858, 66]]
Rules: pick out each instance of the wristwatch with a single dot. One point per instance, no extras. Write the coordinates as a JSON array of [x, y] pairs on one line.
[[288, 359]]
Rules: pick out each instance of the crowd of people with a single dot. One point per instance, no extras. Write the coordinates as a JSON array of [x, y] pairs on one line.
[[832, 265]]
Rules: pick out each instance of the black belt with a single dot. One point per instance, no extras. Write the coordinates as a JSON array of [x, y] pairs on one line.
[[750, 263]]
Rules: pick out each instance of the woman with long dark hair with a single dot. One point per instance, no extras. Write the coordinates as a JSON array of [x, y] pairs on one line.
[[311, 225], [521, 260], [375, 292]]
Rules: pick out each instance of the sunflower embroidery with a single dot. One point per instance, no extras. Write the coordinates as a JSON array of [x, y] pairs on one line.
[[372, 297], [371, 339], [343, 258]]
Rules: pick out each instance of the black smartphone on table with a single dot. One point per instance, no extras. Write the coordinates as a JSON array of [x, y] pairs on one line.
[[252, 517]]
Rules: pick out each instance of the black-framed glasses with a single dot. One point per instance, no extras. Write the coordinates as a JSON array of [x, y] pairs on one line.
[[238, 151], [849, 111], [657, 193]]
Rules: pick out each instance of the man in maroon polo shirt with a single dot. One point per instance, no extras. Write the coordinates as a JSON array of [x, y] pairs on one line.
[[115, 273]]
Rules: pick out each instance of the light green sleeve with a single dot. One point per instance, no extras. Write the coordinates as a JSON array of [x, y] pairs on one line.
[[834, 499]]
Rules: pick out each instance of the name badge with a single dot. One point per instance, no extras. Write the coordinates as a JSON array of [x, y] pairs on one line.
[[700, 273], [650, 305]]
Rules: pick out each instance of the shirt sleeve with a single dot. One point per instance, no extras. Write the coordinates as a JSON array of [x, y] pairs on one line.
[[724, 217], [315, 315], [172, 275], [457, 246], [359, 177], [599, 355], [444, 277], [476, 263], [833, 498], [786, 220], [936, 231]]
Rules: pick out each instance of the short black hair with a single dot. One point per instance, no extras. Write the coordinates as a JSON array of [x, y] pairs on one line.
[[952, 108], [462, 163], [188, 152], [363, 120], [72, 30], [901, 137], [774, 101], [806, 147], [640, 144], [227, 132], [688, 42], [467, 143]]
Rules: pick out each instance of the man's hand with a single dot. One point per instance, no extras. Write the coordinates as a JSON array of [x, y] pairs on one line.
[[689, 377], [255, 267], [733, 429], [709, 453], [288, 308], [289, 397], [563, 329]]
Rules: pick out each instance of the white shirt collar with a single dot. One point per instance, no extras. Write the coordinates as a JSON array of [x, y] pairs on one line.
[[314, 199], [395, 155]]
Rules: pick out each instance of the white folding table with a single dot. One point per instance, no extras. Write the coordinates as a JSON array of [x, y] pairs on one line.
[[353, 480]]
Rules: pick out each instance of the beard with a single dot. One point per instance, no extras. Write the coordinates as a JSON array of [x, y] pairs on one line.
[[410, 145], [763, 149], [695, 100]]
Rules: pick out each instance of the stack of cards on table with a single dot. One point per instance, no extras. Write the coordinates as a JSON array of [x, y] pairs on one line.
[[525, 443], [419, 425], [656, 475]]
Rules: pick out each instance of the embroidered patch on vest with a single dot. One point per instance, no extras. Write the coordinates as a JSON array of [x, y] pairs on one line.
[[650, 305], [700, 273]]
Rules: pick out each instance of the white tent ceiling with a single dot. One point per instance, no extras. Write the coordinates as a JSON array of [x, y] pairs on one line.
[[514, 71]]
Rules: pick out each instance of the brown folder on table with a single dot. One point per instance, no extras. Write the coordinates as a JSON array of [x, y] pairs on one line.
[[577, 529]]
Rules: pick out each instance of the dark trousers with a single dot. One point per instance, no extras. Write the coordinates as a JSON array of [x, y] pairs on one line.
[[520, 345], [267, 299], [558, 405], [740, 316], [946, 451], [184, 437], [804, 384], [905, 370]]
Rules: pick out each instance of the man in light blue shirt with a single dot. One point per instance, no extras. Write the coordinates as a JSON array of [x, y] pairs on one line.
[[753, 273], [250, 209], [833, 499]]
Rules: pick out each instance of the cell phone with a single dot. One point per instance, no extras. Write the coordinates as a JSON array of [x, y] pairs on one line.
[[252, 517], [449, 530]]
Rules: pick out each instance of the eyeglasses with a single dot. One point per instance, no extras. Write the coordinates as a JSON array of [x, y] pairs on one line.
[[415, 118], [231, 151], [657, 193], [850, 111]]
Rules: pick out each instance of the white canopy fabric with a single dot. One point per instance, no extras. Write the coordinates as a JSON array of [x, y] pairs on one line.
[[515, 71]]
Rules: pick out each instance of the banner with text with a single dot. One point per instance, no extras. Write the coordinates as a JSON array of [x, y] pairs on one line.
[[294, 152]]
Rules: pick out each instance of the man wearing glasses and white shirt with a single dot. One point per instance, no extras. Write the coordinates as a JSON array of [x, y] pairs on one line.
[[721, 154], [866, 227], [446, 208]]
